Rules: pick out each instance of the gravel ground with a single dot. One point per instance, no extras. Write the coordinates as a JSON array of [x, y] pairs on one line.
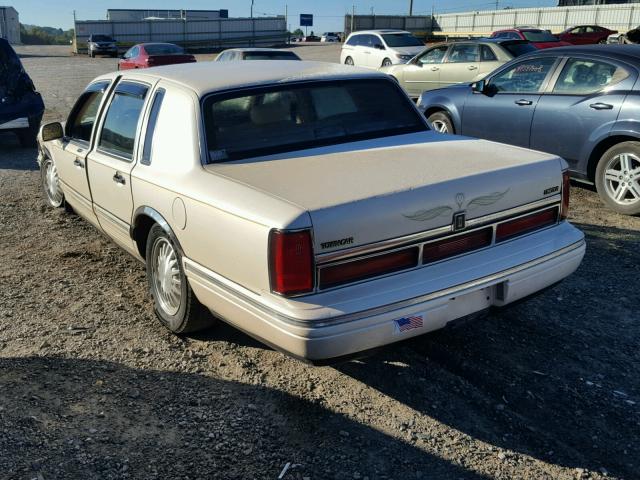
[[91, 386]]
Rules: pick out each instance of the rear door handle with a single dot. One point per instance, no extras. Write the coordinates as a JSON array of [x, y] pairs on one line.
[[523, 102], [472, 67], [435, 69], [119, 179], [78, 163], [601, 106]]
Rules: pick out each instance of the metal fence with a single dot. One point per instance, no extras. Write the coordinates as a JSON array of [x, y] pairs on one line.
[[193, 34], [418, 25], [556, 19]]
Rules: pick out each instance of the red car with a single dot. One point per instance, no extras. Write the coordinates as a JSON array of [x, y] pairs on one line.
[[538, 38], [145, 55], [586, 34]]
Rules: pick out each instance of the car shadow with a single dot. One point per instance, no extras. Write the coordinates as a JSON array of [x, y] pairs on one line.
[[15, 157], [554, 377], [77, 418]]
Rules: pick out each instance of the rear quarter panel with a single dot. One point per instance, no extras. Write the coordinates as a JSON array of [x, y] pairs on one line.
[[176, 186]]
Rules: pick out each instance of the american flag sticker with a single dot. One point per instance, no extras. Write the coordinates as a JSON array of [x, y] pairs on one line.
[[405, 324]]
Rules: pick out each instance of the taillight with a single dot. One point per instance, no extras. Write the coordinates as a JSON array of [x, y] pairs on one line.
[[526, 224], [291, 262], [566, 187], [457, 245], [368, 267]]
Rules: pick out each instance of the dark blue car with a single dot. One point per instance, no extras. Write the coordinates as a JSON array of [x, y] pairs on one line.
[[21, 107], [581, 102]]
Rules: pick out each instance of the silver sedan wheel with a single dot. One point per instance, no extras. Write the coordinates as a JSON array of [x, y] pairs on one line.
[[52, 184], [167, 281], [622, 179], [440, 126]]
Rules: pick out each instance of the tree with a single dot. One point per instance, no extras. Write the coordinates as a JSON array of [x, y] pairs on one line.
[[298, 32]]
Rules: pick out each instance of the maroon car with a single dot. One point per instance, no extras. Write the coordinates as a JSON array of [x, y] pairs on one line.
[[586, 34], [145, 55], [537, 37]]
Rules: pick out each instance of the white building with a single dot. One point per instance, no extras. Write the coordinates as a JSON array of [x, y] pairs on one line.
[[9, 24]]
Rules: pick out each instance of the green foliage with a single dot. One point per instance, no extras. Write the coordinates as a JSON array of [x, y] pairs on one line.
[[34, 35], [298, 32]]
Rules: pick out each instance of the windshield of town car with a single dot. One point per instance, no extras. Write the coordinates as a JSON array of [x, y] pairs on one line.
[[293, 117], [101, 38], [539, 36], [257, 55], [163, 49], [401, 40]]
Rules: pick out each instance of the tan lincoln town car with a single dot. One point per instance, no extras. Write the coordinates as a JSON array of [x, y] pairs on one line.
[[307, 204]]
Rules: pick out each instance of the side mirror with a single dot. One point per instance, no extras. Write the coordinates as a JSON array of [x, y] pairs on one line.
[[51, 131], [479, 87]]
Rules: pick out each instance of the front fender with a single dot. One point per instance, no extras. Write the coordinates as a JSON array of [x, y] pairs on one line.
[[433, 101]]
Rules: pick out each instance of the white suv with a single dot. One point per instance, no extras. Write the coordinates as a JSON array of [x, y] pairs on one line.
[[380, 48]]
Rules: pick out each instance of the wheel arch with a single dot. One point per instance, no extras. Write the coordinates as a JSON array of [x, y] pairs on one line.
[[443, 108], [604, 145], [144, 218]]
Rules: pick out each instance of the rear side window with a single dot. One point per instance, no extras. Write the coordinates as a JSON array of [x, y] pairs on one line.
[[487, 55], [581, 76], [121, 122], [151, 126], [463, 54], [293, 117], [83, 115]]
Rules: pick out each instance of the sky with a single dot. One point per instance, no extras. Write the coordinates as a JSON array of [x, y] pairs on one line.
[[328, 14]]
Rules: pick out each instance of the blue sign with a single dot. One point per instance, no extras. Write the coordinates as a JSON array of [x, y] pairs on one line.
[[306, 20]]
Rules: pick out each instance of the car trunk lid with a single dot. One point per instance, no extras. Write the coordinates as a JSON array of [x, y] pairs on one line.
[[371, 191]]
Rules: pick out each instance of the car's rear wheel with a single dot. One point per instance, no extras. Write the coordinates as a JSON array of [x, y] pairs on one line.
[[441, 122], [348, 61], [175, 304], [618, 178], [386, 62], [51, 184]]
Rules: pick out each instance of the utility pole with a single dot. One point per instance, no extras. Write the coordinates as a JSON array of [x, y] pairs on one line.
[[353, 15], [410, 8], [497, 1], [251, 8]]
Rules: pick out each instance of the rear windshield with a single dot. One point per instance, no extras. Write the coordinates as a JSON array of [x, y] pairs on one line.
[[163, 49], [517, 49], [270, 56], [402, 40], [286, 118], [101, 38], [539, 36]]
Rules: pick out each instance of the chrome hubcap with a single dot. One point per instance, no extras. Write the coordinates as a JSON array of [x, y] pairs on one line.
[[52, 186], [622, 179], [166, 276], [439, 126]]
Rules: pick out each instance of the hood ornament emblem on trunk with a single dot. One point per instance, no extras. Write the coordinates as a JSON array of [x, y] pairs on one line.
[[481, 201]]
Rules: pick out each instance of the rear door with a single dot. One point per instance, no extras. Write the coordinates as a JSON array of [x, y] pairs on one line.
[[70, 154], [582, 103], [461, 64], [488, 61], [424, 72], [505, 112], [111, 161]]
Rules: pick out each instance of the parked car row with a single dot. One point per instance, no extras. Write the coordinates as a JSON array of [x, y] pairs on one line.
[[579, 103]]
